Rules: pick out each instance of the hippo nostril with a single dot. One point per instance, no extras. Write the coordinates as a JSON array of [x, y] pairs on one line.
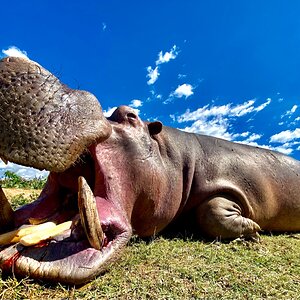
[[131, 116]]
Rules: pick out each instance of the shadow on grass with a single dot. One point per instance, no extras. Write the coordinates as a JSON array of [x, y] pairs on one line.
[[180, 229]]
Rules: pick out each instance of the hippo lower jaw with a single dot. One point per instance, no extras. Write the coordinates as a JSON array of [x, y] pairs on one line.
[[79, 254]]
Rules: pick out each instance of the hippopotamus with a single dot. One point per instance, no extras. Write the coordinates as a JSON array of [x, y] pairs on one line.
[[119, 176]]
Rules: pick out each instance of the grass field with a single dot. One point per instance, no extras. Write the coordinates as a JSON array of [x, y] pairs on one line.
[[181, 268]]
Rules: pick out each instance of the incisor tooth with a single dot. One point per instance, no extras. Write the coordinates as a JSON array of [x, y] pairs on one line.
[[38, 236], [14, 236], [89, 214]]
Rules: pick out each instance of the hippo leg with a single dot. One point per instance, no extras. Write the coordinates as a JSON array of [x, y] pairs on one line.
[[222, 217]]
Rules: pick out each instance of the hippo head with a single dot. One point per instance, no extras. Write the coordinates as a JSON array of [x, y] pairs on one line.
[[46, 125]]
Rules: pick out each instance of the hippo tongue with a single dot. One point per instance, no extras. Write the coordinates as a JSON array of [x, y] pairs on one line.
[[89, 214]]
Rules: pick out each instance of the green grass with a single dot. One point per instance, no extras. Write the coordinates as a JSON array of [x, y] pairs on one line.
[[12, 180], [21, 199], [184, 268]]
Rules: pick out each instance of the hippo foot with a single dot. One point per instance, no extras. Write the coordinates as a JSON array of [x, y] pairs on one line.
[[222, 217]]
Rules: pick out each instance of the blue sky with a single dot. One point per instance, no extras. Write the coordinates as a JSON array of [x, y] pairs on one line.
[[225, 68]]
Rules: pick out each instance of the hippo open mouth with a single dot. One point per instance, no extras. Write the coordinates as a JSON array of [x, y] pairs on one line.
[[97, 234], [53, 127]]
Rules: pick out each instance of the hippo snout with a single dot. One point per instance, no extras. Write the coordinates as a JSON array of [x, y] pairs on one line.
[[49, 124]]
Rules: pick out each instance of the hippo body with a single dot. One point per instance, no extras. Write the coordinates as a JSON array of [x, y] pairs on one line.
[[118, 176], [231, 189], [230, 183]]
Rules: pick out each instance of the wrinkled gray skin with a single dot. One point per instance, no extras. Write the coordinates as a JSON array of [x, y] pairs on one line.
[[143, 176]]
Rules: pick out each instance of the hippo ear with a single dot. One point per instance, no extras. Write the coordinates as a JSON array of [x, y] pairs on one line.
[[155, 127]]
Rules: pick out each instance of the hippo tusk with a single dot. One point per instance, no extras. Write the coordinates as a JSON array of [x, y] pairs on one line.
[[6, 212], [89, 214]]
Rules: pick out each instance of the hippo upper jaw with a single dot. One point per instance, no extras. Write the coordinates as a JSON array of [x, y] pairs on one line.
[[44, 123], [81, 253]]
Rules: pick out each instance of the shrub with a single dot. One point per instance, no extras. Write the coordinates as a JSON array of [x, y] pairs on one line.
[[12, 180]]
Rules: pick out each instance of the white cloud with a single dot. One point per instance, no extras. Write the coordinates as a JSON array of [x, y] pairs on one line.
[[285, 136], [167, 56], [247, 107], [223, 110], [285, 149], [287, 117], [241, 109], [293, 109], [104, 26], [249, 139], [203, 113], [152, 75], [173, 117], [136, 103], [218, 120], [253, 137], [243, 134], [184, 90], [25, 172], [15, 52], [154, 95], [262, 106], [290, 112], [108, 112], [217, 127], [181, 76]]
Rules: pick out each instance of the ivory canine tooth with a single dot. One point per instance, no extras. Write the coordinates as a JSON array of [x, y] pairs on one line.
[[89, 214], [15, 236], [6, 212], [38, 236]]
